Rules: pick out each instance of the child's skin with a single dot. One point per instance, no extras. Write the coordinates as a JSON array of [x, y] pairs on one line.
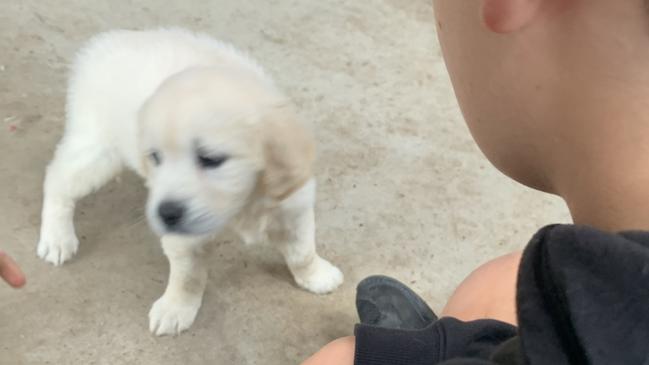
[[556, 94], [10, 272]]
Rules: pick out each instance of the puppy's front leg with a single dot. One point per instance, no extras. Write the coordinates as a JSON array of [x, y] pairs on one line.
[[176, 310], [296, 240]]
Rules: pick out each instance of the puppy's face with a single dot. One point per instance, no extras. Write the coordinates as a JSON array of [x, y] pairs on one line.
[[206, 150]]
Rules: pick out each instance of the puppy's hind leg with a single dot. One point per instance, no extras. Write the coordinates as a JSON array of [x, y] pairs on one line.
[[80, 165], [296, 241], [176, 309]]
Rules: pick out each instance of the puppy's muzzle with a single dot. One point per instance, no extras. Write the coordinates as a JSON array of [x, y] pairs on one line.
[[171, 213]]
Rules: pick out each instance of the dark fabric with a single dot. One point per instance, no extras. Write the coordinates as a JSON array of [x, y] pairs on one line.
[[582, 298], [509, 353], [446, 338]]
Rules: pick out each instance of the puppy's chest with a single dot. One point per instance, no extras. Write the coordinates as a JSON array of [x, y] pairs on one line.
[[256, 227]]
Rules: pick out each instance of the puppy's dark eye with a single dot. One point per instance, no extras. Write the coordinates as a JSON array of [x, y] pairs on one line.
[[211, 162], [155, 158]]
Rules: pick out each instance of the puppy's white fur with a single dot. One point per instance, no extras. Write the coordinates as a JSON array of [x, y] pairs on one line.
[[157, 102]]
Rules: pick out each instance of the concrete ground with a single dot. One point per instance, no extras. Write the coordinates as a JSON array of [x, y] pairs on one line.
[[403, 189]]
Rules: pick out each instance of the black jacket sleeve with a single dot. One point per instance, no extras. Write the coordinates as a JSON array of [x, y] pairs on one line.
[[582, 298]]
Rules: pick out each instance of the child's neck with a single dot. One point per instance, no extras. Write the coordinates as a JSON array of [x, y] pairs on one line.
[[614, 202]]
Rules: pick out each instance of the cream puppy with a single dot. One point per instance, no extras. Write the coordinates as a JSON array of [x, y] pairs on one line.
[[217, 143]]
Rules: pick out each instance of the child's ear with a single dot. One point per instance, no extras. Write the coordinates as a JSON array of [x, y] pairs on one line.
[[505, 16]]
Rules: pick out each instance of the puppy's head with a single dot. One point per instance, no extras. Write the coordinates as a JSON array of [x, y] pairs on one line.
[[213, 139]]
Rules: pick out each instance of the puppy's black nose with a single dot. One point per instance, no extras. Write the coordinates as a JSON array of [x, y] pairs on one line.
[[171, 212]]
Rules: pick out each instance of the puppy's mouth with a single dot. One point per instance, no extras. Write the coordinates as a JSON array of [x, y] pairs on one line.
[[188, 228], [174, 218]]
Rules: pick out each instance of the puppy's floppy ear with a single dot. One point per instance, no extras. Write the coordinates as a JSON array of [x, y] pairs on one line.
[[289, 152]]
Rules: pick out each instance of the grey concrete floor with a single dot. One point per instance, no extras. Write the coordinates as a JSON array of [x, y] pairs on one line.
[[403, 190]]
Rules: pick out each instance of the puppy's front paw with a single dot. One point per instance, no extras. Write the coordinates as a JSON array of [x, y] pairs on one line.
[[57, 249], [170, 317], [320, 277]]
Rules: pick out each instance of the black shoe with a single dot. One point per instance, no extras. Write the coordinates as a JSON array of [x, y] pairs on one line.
[[385, 302]]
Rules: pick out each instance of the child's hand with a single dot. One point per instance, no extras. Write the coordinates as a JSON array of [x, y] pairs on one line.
[[10, 272]]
